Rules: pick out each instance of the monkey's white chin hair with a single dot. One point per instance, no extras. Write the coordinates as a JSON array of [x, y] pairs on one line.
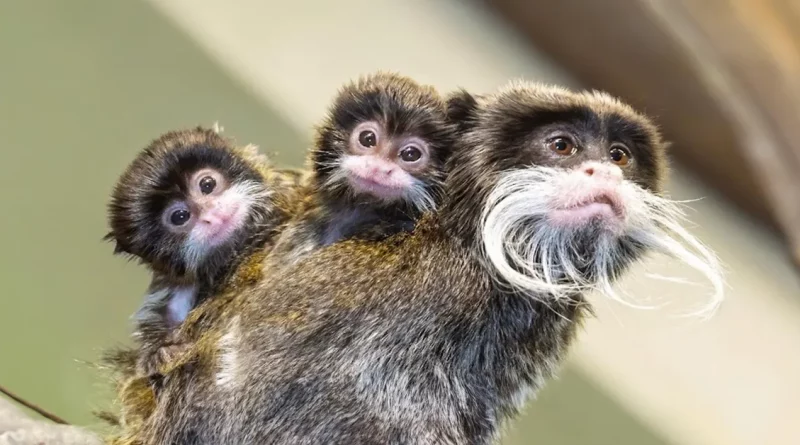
[[416, 194], [532, 255], [248, 194]]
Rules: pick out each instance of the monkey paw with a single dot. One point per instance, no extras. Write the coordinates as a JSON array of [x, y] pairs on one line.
[[154, 362]]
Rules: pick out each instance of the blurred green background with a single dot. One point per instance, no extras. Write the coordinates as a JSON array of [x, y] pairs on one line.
[[84, 85]]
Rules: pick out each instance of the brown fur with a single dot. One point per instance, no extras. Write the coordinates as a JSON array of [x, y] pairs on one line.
[[314, 206], [406, 340], [135, 371]]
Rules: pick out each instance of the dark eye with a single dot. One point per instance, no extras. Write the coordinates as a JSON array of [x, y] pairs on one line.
[[410, 154], [561, 145], [367, 138], [619, 156], [179, 217], [207, 184]]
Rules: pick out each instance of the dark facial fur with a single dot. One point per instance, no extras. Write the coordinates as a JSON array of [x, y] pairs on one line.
[[401, 108], [157, 178], [522, 117], [163, 178], [416, 339], [333, 209]]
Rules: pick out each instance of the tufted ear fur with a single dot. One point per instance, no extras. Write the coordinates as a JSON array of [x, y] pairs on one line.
[[118, 247], [461, 108]]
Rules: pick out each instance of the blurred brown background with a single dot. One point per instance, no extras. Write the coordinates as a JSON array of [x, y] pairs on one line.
[[723, 77], [85, 84]]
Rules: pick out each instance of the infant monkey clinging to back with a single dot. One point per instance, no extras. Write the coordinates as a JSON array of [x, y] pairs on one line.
[[191, 206], [378, 162]]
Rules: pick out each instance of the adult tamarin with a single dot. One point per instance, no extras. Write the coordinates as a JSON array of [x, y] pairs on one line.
[[440, 334]]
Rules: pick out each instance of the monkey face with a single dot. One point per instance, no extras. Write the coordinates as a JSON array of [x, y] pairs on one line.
[[386, 168], [208, 212], [598, 154], [570, 184], [384, 143], [186, 202]]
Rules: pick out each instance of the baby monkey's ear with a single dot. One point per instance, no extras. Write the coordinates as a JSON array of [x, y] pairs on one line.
[[461, 109], [118, 247]]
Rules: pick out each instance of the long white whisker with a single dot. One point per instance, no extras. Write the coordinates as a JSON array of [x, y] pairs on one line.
[[529, 253], [419, 197]]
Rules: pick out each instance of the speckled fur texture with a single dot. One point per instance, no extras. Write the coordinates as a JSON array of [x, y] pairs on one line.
[[406, 340]]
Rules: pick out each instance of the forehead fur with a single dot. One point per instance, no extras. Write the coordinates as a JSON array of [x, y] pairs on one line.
[[400, 104], [175, 155], [390, 90], [531, 96]]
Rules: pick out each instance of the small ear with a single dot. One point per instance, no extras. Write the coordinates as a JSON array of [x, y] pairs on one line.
[[118, 248], [461, 109]]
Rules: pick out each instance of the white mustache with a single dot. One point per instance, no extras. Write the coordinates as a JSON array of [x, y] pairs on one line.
[[417, 195], [248, 194], [531, 255]]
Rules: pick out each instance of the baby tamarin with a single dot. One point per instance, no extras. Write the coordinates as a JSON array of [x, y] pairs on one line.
[[191, 206], [440, 334], [377, 162]]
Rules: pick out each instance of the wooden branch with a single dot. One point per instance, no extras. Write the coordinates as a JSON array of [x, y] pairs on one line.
[[33, 407]]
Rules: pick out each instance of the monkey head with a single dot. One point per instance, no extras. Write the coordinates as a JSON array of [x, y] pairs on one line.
[[384, 143], [187, 203], [570, 186]]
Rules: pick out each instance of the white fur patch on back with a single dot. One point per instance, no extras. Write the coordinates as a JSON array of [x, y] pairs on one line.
[[228, 365]]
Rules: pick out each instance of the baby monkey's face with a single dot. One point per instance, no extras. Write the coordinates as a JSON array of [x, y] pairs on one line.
[[383, 165], [187, 203], [210, 211], [384, 145]]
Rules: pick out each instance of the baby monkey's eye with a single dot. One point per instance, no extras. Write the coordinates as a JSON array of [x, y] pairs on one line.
[[410, 154], [179, 217], [562, 145], [207, 185], [367, 138], [619, 155]]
